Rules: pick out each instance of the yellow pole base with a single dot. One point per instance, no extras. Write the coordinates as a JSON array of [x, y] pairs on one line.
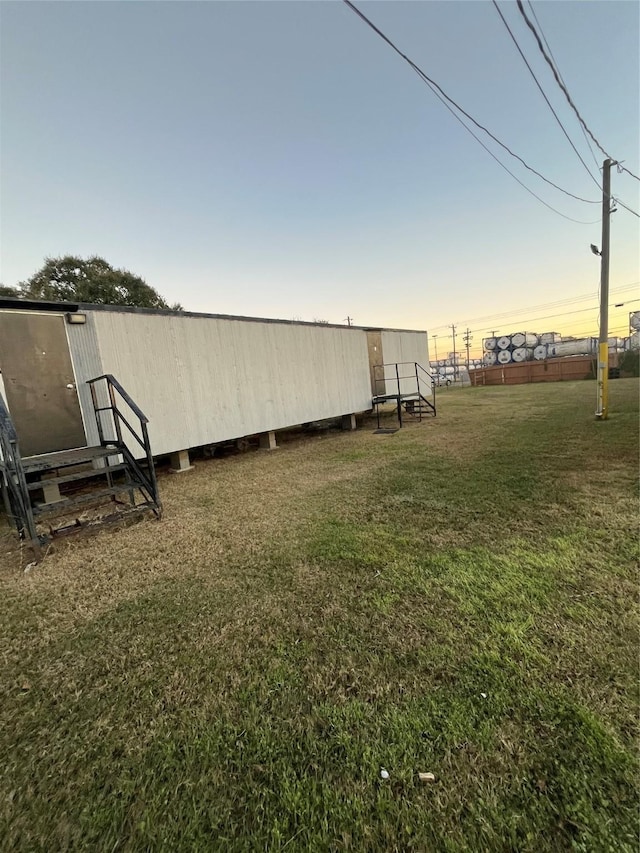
[[602, 410]]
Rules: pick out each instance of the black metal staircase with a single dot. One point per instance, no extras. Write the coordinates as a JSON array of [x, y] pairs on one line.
[[408, 385], [50, 494]]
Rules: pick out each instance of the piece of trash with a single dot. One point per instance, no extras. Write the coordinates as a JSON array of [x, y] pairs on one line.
[[384, 774], [484, 695], [28, 567], [25, 686], [426, 777]]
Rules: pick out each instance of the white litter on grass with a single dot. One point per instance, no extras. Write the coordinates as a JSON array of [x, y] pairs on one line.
[[28, 567], [426, 777], [384, 774], [484, 695]]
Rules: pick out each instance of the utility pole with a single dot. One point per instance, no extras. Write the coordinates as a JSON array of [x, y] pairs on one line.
[[455, 365], [435, 345], [602, 406], [467, 342], [349, 320]]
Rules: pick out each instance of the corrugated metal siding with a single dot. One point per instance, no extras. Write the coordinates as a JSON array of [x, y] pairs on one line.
[[409, 347], [204, 380], [85, 357]]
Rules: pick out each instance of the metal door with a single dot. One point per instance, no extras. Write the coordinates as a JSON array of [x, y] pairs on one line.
[[39, 382], [374, 345]]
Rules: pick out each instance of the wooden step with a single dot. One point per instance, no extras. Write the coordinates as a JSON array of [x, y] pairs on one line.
[[59, 507], [78, 475], [65, 458]]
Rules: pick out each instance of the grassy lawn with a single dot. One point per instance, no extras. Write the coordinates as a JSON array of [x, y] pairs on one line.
[[459, 598]]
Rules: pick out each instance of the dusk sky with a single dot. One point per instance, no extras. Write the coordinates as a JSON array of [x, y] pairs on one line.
[[278, 159]]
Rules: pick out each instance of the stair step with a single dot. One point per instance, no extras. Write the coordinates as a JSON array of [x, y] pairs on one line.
[[65, 458], [59, 507], [95, 524], [79, 475]]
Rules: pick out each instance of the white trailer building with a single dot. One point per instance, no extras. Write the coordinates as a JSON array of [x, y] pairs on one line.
[[200, 379], [90, 392]]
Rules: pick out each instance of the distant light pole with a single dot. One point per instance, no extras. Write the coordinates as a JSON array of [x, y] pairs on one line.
[[455, 360], [467, 342], [435, 346], [602, 405]]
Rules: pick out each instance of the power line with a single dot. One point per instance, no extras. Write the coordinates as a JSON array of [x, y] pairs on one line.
[[543, 93], [626, 207], [553, 316], [436, 88], [529, 320], [543, 306], [560, 81], [555, 63], [612, 332], [597, 183], [501, 164]]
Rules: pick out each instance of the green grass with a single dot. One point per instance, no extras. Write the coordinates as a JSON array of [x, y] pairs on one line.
[[234, 677]]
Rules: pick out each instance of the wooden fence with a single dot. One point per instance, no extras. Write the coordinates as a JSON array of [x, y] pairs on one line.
[[565, 369]]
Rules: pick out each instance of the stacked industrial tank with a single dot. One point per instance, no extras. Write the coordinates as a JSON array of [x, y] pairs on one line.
[[451, 369], [633, 341], [531, 346]]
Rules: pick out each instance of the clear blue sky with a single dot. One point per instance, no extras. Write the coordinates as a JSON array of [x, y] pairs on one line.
[[278, 159]]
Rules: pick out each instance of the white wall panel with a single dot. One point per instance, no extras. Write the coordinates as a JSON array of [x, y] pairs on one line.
[[405, 348], [201, 380]]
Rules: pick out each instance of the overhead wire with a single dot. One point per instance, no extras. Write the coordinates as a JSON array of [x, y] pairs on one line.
[[577, 332], [506, 315], [502, 165], [544, 95], [515, 41], [557, 69], [444, 97], [559, 80], [524, 323], [615, 199]]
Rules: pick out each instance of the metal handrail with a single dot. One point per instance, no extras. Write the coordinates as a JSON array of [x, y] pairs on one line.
[[414, 375], [111, 380], [149, 480]]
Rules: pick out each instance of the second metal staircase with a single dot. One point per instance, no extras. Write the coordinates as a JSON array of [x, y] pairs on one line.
[[408, 385]]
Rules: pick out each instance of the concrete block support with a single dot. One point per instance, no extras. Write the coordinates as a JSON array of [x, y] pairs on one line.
[[348, 422], [51, 490], [180, 461], [268, 441]]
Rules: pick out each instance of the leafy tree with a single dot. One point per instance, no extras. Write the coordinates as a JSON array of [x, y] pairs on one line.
[[73, 279], [5, 290], [630, 362]]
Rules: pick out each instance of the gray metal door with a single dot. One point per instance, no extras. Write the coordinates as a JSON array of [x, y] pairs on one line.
[[39, 382]]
